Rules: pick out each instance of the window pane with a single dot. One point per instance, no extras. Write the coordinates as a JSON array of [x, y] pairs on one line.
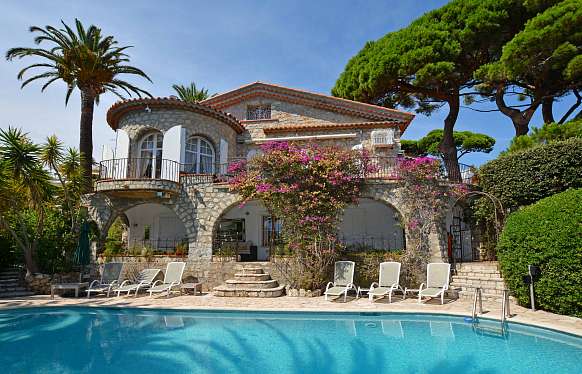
[[255, 112]]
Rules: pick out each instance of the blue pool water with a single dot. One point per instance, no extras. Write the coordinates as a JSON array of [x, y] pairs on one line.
[[91, 340]]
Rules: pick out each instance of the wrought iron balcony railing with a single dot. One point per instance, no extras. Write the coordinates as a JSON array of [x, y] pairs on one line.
[[382, 168]]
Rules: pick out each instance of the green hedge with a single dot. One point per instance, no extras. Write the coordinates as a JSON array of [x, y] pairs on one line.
[[547, 234], [522, 178]]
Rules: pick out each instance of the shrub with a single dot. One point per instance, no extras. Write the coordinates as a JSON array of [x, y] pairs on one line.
[[525, 177], [547, 234]]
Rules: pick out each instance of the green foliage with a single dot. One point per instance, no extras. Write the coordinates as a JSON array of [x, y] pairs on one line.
[[308, 187], [547, 234], [522, 178], [431, 59], [83, 58], [368, 264], [465, 141], [114, 242], [40, 217], [410, 148], [548, 49], [548, 133], [191, 93]]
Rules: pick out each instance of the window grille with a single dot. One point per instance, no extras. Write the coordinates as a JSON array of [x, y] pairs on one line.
[[255, 112], [383, 137]]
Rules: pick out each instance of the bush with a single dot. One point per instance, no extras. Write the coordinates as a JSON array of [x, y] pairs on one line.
[[547, 234], [525, 177]]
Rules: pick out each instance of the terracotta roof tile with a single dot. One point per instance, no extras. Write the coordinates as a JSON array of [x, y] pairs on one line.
[[120, 108]]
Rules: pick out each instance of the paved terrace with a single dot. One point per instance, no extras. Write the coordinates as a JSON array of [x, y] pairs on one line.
[[315, 304]]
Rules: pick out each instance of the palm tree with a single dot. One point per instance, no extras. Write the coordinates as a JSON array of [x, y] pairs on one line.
[[191, 94], [25, 185], [83, 59]]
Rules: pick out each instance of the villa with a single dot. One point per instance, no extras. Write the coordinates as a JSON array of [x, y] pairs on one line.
[[166, 176]]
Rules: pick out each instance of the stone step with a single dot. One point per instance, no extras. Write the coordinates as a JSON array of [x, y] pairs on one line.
[[10, 274], [10, 295], [252, 277], [12, 288], [6, 283], [251, 284], [496, 291], [223, 291], [487, 297], [252, 270], [477, 271], [476, 280], [9, 278]]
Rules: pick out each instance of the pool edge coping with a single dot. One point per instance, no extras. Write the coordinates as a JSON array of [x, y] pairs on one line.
[[527, 323]]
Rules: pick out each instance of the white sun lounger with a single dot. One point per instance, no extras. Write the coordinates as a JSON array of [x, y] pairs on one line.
[[343, 280], [172, 279], [110, 275], [144, 280], [388, 282], [437, 281]]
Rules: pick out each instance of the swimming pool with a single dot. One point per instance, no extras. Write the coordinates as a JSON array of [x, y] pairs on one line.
[[101, 340]]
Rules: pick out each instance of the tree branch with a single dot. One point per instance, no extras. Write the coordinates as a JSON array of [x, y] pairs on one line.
[[572, 108]]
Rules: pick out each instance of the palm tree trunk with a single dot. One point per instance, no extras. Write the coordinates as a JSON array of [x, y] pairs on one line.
[[86, 138], [447, 146]]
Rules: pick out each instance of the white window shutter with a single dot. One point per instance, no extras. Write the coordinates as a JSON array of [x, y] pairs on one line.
[[118, 168], [172, 151], [122, 145], [223, 152]]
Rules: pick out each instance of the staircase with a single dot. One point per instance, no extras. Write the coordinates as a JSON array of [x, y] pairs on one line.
[[471, 275], [12, 285], [250, 282]]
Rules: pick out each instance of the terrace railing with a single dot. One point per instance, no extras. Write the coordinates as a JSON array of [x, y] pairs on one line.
[[386, 168], [139, 168]]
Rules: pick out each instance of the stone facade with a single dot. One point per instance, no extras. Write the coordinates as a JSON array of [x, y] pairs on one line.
[[137, 124], [200, 201]]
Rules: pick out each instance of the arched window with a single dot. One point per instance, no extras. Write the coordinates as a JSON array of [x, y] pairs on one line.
[[199, 156], [150, 156]]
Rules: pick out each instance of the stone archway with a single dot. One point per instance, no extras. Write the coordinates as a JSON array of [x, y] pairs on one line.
[[104, 209], [372, 224]]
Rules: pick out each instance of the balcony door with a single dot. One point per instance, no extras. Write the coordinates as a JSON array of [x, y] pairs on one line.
[[199, 156], [150, 161]]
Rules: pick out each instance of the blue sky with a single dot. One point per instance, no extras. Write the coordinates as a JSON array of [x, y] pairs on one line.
[[219, 45]]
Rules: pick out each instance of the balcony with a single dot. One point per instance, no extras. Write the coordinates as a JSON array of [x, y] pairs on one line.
[[148, 177], [137, 177], [386, 169]]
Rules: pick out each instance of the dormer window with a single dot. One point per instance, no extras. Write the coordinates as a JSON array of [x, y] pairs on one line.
[[256, 112], [383, 138]]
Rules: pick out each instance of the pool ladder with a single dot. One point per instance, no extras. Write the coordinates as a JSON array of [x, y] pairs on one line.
[[505, 311]]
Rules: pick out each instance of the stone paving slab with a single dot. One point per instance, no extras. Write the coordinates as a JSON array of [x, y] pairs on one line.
[[312, 304]]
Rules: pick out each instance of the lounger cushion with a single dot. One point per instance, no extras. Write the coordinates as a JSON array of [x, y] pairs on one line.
[[336, 291], [160, 288], [131, 287], [101, 289], [380, 291], [431, 292]]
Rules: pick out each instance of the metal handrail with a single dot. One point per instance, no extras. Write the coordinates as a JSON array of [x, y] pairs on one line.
[[139, 168], [478, 296], [505, 312]]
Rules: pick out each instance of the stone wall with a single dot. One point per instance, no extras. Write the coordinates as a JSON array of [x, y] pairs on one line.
[[200, 207], [138, 123], [211, 273]]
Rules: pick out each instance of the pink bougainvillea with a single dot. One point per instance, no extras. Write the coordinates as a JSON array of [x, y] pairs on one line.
[[427, 195], [308, 186]]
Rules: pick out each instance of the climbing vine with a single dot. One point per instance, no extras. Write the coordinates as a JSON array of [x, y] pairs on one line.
[[307, 187]]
